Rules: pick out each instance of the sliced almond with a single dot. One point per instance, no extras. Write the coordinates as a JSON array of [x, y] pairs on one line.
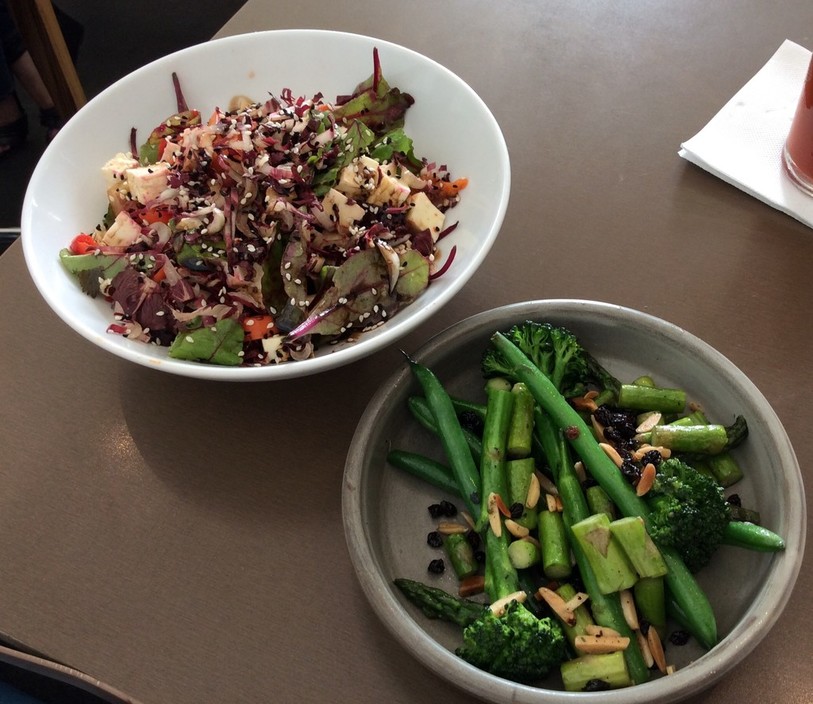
[[593, 629], [498, 607], [557, 604], [656, 647], [576, 601], [612, 453], [647, 479], [560, 507], [601, 644], [469, 520], [450, 528], [628, 607], [581, 473], [592, 394], [551, 501], [649, 422], [645, 651], [547, 485], [494, 519], [471, 586], [534, 492], [598, 428], [532, 540], [515, 528], [638, 455]]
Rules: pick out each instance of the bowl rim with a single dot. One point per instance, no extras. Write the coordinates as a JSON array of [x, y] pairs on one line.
[[329, 357], [746, 634]]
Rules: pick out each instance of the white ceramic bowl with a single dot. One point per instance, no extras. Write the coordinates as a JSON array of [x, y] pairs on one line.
[[449, 124], [386, 520]]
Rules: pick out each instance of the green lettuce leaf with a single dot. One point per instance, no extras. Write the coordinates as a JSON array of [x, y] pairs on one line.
[[218, 344]]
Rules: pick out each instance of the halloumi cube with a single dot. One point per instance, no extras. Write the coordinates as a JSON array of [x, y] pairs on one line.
[[148, 182], [341, 210], [389, 191], [123, 232], [423, 215]]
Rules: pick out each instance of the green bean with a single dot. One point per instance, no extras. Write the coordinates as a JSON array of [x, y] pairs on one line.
[[420, 410], [752, 537], [451, 436], [424, 468]]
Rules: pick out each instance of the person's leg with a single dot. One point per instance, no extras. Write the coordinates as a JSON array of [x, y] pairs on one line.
[[13, 123]]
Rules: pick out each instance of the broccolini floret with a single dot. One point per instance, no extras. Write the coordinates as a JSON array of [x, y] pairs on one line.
[[516, 645], [557, 352], [688, 512]]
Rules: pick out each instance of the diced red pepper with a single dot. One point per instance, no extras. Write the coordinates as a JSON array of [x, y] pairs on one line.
[[82, 244], [156, 214], [258, 326]]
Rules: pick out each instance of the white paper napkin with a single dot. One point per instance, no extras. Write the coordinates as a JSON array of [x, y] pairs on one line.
[[742, 144]]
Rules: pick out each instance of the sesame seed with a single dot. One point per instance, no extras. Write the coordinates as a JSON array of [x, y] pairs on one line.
[[189, 338]]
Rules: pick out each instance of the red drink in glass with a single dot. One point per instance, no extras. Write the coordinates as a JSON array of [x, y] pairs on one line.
[[798, 152]]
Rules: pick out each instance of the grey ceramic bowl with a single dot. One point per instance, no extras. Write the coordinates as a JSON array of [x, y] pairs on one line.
[[386, 520]]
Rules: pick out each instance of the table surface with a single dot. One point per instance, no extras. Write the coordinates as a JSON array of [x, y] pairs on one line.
[[179, 564]]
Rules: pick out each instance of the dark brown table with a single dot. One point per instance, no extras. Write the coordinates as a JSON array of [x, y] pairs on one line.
[[156, 540]]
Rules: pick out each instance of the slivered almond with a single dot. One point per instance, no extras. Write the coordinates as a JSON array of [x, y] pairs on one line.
[[532, 540], [666, 453], [503, 509], [647, 479], [559, 505], [469, 520], [593, 629], [591, 394], [498, 607], [450, 528], [534, 492], [582, 403], [494, 519], [470, 586], [612, 453], [580, 471], [576, 601], [551, 501], [547, 485], [649, 422], [598, 428], [645, 651], [656, 647], [670, 669], [601, 644], [628, 607], [557, 603], [515, 528]]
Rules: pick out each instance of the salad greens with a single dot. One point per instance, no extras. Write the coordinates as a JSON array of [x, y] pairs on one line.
[[270, 228], [607, 568]]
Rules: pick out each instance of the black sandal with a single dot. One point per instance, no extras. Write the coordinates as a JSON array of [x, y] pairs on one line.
[[52, 121]]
